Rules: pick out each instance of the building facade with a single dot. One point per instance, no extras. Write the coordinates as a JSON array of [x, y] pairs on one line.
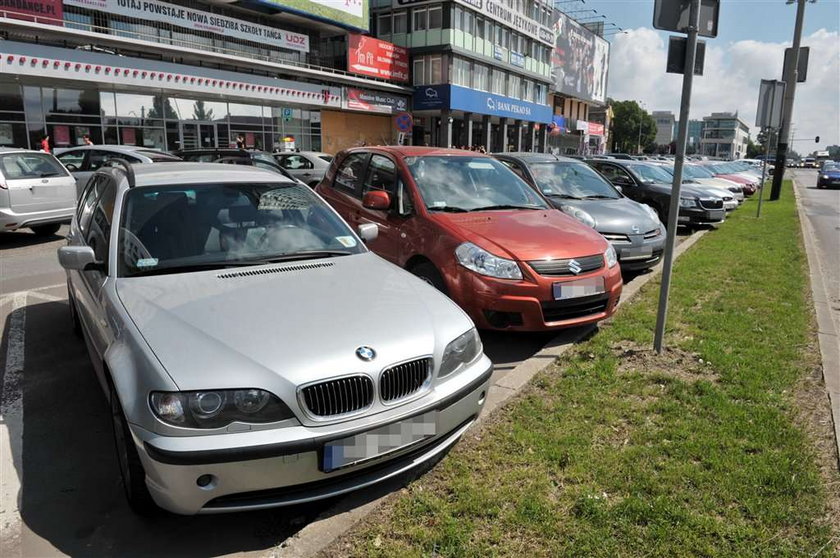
[[724, 136], [665, 122], [179, 75], [480, 70]]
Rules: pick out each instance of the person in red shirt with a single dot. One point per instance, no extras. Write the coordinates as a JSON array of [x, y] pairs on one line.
[[45, 144]]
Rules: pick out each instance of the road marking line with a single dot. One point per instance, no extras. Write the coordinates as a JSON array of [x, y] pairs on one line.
[[11, 430], [7, 296]]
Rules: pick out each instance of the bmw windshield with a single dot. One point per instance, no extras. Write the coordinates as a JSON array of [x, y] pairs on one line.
[[170, 229], [459, 184], [651, 173], [571, 181], [694, 171]]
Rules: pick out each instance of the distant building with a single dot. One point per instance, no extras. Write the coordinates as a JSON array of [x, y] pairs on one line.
[[695, 134], [664, 126], [725, 136]]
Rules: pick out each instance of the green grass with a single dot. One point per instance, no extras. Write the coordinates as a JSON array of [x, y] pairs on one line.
[[614, 451]]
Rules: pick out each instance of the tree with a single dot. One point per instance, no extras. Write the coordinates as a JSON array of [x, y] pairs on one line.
[[833, 152], [629, 119], [202, 113], [754, 149], [162, 109]]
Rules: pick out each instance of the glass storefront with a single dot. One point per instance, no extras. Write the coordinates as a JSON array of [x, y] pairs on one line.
[[28, 112]]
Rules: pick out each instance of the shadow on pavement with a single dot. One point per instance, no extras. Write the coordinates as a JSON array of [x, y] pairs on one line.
[[23, 238], [73, 496]]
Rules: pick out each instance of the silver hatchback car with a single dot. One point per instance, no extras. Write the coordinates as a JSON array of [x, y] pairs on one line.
[[254, 352]]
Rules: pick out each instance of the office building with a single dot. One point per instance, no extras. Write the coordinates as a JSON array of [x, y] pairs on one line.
[[665, 123], [725, 136]]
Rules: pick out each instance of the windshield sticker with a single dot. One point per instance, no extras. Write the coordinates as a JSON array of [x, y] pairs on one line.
[[147, 262], [480, 165], [438, 204], [346, 241]]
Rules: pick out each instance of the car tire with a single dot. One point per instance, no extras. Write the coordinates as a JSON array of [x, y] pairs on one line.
[[74, 315], [131, 469], [429, 273], [46, 230]]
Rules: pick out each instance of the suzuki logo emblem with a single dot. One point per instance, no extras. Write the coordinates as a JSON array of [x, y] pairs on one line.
[[574, 267], [366, 353]]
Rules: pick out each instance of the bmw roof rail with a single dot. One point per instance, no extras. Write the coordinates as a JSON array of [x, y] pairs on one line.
[[125, 166]]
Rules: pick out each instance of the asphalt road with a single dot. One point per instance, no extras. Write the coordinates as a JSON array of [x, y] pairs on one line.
[[72, 501]]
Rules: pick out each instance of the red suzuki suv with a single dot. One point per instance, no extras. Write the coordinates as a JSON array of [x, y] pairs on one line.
[[465, 223]]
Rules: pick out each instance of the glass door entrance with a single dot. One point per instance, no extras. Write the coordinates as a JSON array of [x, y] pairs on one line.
[[196, 134]]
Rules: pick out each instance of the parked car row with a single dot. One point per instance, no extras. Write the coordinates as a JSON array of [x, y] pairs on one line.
[[263, 344]]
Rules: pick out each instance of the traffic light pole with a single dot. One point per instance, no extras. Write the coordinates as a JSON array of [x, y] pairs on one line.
[[674, 208], [787, 111]]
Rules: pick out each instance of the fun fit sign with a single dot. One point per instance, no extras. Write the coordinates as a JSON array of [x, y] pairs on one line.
[[150, 10]]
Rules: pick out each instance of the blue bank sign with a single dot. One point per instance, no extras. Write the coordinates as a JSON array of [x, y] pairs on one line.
[[454, 97]]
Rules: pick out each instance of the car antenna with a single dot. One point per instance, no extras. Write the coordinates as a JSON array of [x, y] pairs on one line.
[[125, 166]]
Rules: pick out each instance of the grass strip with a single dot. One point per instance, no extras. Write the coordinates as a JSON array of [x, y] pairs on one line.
[[615, 450]]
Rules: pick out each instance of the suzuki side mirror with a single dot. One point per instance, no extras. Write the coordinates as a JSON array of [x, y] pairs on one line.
[[377, 199]]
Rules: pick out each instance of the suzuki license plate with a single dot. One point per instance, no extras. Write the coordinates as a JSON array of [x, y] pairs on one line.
[[581, 287], [378, 442]]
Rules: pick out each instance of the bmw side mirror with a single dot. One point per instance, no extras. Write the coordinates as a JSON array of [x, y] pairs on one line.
[[619, 188], [368, 231], [78, 258]]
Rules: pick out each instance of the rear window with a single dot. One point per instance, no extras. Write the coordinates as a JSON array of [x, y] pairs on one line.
[[327, 158], [21, 166], [159, 156]]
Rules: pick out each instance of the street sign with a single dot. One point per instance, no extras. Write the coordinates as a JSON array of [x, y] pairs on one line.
[[403, 122], [801, 67], [676, 56], [770, 96], [672, 15]]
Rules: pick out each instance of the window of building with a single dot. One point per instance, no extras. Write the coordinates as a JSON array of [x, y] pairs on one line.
[[498, 85], [383, 24], [468, 22], [435, 17], [461, 69], [435, 70], [513, 86], [421, 19], [400, 22], [419, 71], [77, 21], [481, 77], [479, 27]]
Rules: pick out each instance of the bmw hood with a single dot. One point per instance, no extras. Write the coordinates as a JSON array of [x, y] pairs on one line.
[[278, 326], [621, 215], [525, 234]]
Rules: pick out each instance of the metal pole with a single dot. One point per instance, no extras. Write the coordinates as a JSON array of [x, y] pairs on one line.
[[674, 209], [639, 145], [787, 111], [768, 137]]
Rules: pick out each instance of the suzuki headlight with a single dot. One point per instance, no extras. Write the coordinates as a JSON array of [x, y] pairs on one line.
[[580, 215], [610, 256], [481, 261], [688, 202], [218, 408], [460, 352]]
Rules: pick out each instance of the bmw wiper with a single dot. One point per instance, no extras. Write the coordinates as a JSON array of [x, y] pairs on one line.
[[563, 196], [448, 209], [504, 206], [599, 197], [190, 267], [302, 255]]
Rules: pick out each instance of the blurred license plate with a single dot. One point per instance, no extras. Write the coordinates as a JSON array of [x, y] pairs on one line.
[[380, 441], [581, 287], [637, 252]]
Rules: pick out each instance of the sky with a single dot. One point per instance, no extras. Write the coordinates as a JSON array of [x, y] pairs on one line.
[[752, 36]]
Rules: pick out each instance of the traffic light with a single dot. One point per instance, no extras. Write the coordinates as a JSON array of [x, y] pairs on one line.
[[817, 140]]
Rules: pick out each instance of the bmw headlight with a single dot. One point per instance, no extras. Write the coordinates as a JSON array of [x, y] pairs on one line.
[[688, 202], [580, 215], [460, 352], [610, 256], [481, 261], [218, 408]]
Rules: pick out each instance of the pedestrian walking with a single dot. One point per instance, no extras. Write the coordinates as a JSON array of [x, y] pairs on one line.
[[86, 140], [45, 143], [240, 141]]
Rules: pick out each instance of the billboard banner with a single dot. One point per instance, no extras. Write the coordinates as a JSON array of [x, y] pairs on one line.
[[351, 14], [198, 20], [373, 101], [373, 57], [455, 97], [580, 61], [29, 10]]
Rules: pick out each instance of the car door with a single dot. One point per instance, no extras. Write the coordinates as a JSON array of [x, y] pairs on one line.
[[78, 230], [345, 191], [35, 182], [382, 175], [298, 166]]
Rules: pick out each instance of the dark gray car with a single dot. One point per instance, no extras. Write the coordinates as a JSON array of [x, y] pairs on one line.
[[632, 228]]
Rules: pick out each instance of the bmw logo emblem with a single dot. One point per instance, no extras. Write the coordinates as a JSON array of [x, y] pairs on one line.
[[366, 353]]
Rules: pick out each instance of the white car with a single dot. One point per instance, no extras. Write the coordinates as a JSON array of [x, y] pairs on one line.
[[36, 192]]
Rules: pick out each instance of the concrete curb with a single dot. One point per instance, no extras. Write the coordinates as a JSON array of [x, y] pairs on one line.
[[827, 328], [322, 532]]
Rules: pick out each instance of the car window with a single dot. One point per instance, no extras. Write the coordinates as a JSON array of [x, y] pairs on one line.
[[349, 174], [652, 173], [464, 183], [515, 167], [158, 156], [295, 162], [327, 158], [99, 228], [613, 173], [187, 227], [72, 160], [571, 180], [97, 157], [85, 211], [381, 175], [24, 166]]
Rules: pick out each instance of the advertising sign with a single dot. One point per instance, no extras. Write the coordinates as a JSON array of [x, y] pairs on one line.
[[373, 57], [579, 61], [595, 129], [517, 59], [129, 137], [61, 135], [373, 101], [30, 9], [198, 20], [470, 100], [352, 14]]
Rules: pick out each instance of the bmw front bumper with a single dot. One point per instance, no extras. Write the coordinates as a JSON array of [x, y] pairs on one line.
[[249, 476]]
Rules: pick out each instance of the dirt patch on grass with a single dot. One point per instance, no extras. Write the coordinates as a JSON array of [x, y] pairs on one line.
[[674, 362]]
